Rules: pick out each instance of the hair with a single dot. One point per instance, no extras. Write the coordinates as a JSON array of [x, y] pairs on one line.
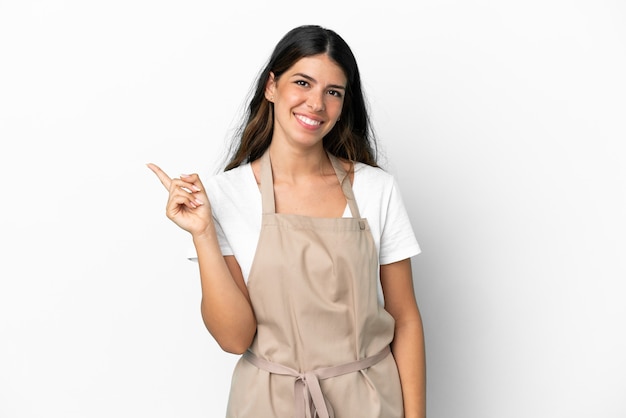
[[352, 136]]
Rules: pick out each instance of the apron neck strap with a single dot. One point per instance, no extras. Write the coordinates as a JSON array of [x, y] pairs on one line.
[[346, 186], [267, 184]]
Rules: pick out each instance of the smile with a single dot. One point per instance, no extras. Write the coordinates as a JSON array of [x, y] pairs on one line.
[[308, 121]]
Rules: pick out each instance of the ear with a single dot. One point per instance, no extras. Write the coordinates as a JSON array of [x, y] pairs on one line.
[[270, 88]]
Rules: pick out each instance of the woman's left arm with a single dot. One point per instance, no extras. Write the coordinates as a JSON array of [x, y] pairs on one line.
[[408, 343]]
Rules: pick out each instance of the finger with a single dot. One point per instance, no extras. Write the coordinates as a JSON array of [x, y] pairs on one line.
[[194, 180], [177, 201], [180, 194], [183, 184], [166, 181]]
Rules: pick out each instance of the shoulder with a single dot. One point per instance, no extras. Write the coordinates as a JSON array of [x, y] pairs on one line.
[[372, 177], [376, 190], [227, 179], [233, 186], [372, 171]]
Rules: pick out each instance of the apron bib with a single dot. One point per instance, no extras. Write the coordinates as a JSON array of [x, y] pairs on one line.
[[322, 342]]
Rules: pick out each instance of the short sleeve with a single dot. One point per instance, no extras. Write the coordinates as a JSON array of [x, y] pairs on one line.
[[236, 209], [397, 241], [221, 238]]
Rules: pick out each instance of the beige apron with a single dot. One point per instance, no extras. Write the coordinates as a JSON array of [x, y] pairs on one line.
[[322, 341]]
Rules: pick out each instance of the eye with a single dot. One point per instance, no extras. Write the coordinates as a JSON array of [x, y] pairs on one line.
[[302, 83], [335, 93]]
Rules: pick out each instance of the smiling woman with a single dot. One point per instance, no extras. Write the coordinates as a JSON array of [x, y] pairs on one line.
[[307, 100], [304, 245]]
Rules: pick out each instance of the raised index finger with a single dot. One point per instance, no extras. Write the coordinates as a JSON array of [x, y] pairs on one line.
[[165, 179]]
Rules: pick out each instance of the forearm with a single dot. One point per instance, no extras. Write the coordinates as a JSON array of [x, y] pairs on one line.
[[408, 350], [226, 310]]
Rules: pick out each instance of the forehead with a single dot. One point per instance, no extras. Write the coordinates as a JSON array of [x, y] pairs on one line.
[[319, 67]]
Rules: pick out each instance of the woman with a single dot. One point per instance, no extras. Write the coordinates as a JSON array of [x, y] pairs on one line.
[[307, 277]]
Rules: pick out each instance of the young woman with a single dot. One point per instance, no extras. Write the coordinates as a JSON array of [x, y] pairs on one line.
[[304, 248]]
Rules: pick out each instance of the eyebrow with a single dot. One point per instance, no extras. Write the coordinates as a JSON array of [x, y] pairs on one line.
[[308, 77]]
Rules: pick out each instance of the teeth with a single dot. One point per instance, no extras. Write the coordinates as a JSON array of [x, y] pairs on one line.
[[308, 121]]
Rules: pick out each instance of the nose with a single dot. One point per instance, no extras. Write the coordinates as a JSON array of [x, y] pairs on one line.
[[315, 101]]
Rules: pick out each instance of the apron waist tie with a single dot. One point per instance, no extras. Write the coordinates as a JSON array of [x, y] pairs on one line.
[[307, 388]]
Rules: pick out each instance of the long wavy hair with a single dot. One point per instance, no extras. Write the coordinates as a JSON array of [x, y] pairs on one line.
[[352, 136]]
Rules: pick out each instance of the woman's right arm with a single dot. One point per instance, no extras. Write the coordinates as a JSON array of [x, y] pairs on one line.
[[226, 308]]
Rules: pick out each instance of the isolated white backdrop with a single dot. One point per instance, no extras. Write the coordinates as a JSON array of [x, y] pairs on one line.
[[503, 122]]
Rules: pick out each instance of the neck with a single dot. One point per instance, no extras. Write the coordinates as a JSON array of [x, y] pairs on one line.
[[292, 164]]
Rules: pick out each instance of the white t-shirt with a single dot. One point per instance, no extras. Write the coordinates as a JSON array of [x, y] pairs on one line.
[[236, 204]]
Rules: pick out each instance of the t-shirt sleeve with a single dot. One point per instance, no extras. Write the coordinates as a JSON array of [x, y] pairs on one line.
[[221, 236], [397, 241]]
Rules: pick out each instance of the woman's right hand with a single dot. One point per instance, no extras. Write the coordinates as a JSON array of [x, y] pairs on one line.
[[188, 204]]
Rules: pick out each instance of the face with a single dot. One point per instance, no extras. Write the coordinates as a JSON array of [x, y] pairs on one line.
[[308, 99]]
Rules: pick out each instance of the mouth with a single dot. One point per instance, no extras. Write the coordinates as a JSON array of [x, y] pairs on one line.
[[308, 121]]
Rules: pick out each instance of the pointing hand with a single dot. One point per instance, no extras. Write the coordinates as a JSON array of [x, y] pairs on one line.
[[188, 204]]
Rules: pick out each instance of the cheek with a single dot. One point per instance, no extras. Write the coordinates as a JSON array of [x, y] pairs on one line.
[[335, 108], [291, 95]]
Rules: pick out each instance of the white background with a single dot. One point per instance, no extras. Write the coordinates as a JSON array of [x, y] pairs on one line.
[[504, 123]]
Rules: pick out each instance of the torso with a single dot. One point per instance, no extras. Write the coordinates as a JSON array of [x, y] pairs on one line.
[[313, 288]]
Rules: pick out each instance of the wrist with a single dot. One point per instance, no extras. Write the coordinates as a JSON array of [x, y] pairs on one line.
[[205, 235]]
